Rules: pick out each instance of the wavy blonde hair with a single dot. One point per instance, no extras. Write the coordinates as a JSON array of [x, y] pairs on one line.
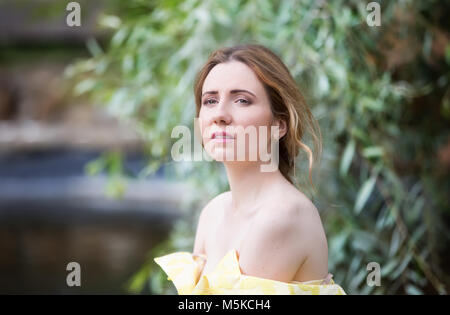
[[286, 100]]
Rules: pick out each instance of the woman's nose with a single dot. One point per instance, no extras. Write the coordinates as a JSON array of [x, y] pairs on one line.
[[221, 114]]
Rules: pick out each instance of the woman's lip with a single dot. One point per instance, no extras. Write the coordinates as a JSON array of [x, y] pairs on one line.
[[223, 134], [222, 139]]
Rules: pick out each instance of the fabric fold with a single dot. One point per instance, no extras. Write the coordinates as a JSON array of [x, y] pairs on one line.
[[184, 268]]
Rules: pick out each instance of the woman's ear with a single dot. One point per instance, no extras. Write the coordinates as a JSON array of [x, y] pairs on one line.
[[282, 127]]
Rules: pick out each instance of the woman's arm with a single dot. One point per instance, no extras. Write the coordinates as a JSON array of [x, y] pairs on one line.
[[199, 243], [206, 220], [199, 252]]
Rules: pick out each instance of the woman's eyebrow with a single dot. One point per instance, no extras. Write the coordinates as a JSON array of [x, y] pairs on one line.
[[231, 92], [210, 92], [240, 91]]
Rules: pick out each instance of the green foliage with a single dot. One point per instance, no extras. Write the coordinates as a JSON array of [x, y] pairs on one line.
[[112, 164], [374, 207]]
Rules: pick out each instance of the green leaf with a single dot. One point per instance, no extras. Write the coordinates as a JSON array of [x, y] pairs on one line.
[[372, 152], [372, 104], [323, 85], [93, 47], [395, 243], [84, 86], [116, 187], [109, 21], [364, 194], [128, 63], [447, 53], [137, 282], [402, 266], [363, 240], [95, 167], [413, 290], [387, 269], [360, 134], [119, 37], [347, 157]]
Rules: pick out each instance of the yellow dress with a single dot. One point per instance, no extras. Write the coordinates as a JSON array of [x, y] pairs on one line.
[[184, 268]]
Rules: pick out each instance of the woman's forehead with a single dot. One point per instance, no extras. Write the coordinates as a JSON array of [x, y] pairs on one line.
[[232, 75]]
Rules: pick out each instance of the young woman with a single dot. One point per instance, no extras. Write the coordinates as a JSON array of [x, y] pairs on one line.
[[264, 235]]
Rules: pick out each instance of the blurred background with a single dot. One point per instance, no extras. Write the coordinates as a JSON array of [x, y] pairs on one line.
[[86, 114]]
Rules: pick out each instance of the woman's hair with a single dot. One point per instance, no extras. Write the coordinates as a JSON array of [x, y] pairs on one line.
[[286, 100]]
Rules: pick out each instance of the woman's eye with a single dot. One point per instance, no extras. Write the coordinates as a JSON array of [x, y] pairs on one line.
[[209, 101], [243, 101]]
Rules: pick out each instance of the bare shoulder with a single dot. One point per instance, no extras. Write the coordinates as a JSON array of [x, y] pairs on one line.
[[215, 205], [292, 212], [290, 229], [304, 222], [314, 243], [205, 220]]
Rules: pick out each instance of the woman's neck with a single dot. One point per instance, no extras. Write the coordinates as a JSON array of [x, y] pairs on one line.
[[249, 185]]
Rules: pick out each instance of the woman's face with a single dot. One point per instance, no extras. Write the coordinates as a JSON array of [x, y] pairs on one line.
[[233, 96]]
